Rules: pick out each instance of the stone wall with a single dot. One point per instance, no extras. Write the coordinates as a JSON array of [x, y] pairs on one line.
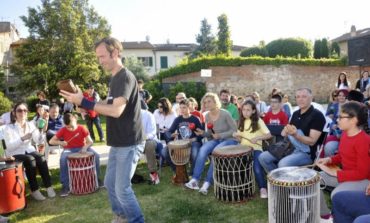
[[246, 79]]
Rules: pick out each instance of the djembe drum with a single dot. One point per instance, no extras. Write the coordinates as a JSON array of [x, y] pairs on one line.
[[233, 173], [12, 187], [180, 154], [82, 173], [293, 195]]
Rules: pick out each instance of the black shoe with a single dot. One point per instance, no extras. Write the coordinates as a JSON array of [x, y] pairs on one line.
[[101, 184], [137, 179], [64, 192]]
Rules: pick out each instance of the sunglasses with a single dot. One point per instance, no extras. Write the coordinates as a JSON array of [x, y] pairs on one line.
[[21, 110], [160, 106]]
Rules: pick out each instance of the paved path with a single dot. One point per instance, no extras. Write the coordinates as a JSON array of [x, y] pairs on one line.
[[53, 159]]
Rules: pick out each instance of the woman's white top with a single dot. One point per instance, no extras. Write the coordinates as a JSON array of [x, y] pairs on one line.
[[342, 86], [12, 134], [164, 121]]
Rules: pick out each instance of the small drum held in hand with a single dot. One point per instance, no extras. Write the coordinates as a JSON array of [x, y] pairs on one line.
[[233, 173], [12, 187], [180, 154], [82, 173], [294, 195]]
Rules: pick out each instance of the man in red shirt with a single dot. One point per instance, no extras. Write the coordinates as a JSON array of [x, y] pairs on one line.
[[92, 116], [275, 116], [74, 138]]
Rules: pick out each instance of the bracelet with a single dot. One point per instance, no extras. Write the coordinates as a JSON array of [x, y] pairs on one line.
[[89, 105]]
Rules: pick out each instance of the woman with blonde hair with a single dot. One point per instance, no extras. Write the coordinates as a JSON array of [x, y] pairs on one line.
[[219, 129]]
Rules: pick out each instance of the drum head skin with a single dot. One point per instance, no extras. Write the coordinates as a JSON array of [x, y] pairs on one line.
[[292, 176], [80, 155], [179, 142], [232, 150]]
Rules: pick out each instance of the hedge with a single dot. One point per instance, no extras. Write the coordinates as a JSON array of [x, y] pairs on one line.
[[197, 64]]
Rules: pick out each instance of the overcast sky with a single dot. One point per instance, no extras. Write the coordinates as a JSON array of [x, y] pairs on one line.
[[250, 21]]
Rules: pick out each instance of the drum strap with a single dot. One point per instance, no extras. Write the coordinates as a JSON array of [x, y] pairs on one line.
[[18, 182]]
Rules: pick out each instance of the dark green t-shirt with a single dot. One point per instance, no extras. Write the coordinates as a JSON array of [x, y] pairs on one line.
[[127, 129]]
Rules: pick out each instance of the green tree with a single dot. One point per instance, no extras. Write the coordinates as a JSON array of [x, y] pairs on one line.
[[5, 103], [137, 68], [290, 47], [60, 46], [317, 49], [324, 48], [206, 41], [224, 42], [254, 51], [335, 49]]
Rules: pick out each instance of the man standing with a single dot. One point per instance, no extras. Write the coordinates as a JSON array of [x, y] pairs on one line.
[[230, 107], [145, 95], [92, 116], [124, 129]]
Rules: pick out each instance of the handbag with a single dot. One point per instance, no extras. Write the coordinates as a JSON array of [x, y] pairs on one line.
[[281, 149], [67, 85]]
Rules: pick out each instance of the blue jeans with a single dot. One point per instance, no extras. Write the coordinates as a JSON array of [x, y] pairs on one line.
[[64, 178], [299, 146], [121, 167], [259, 173], [348, 205], [96, 122], [297, 158], [203, 154]]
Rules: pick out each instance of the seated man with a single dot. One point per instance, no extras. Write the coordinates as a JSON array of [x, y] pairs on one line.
[[76, 138], [182, 128], [55, 123], [304, 130], [152, 145]]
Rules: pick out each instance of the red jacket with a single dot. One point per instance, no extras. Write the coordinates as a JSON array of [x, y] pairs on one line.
[[91, 113], [354, 155]]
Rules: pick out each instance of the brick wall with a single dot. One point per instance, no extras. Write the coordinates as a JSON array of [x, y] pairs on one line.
[[246, 79]]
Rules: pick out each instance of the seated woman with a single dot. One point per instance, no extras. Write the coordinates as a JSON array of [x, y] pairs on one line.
[[164, 117], [352, 206], [332, 140], [251, 131], [18, 136], [76, 138], [219, 135], [353, 154], [182, 128]]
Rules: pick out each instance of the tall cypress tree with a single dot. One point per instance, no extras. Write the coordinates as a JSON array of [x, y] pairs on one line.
[[205, 39], [224, 42], [317, 49]]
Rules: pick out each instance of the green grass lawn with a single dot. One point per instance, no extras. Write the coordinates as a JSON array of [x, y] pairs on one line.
[[160, 203]]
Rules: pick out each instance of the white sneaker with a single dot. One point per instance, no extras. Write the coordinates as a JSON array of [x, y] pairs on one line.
[[37, 195], [3, 219], [263, 193], [204, 189], [192, 184], [51, 192]]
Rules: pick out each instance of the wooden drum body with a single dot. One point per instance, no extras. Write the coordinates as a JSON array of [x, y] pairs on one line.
[[293, 195], [12, 187], [180, 154], [82, 173], [233, 173]]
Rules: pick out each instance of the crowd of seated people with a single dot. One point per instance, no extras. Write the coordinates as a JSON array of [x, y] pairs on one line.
[[247, 120]]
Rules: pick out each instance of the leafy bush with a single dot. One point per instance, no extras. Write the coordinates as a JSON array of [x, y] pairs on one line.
[[254, 51], [5, 103], [197, 64], [31, 102], [290, 47]]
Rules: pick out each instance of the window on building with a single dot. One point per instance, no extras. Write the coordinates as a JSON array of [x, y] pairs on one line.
[[147, 61], [164, 62]]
